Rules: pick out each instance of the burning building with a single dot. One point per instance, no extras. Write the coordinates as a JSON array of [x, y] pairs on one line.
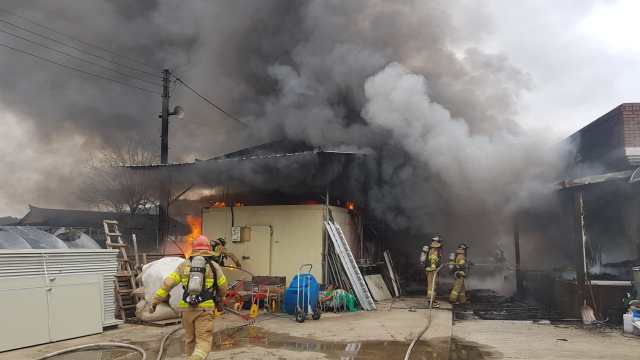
[[583, 249]]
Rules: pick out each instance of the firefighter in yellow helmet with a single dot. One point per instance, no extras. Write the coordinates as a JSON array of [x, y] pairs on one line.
[[221, 253], [459, 275], [433, 262], [205, 285]]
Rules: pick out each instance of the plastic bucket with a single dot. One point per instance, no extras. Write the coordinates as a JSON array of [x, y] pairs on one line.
[[628, 323], [615, 315]]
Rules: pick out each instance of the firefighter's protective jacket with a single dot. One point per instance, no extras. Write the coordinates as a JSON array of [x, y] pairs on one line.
[[461, 264], [435, 253], [181, 276], [220, 250]]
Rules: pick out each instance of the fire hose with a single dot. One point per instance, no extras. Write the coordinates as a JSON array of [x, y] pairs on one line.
[[144, 355], [433, 286]]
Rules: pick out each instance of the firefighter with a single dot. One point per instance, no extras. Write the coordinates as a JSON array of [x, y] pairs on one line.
[[221, 253], [435, 254], [459, 275], [197, 312], [500, 254], [500, 257]]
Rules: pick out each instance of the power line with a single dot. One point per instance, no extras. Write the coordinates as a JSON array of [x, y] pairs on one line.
[[75, 48], [84, 42], [84, 72], [209, 126], [75, 57], [216, 106]]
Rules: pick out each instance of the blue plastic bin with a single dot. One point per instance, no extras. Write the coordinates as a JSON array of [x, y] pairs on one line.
[[291, 295]]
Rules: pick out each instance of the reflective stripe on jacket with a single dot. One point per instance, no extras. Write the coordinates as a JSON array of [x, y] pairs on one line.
[[461, 262], [181, 276]]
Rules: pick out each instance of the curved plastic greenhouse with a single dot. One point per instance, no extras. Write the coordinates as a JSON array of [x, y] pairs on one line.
[[26, 237]]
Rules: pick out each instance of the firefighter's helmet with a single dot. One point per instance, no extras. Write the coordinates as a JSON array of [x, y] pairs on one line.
[[463, 246], [201, 243], [437, 239]]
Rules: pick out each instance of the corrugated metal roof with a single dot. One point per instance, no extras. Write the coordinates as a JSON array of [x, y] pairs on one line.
[[253, 157]]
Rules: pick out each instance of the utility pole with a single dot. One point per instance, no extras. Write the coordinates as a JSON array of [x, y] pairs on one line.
[[163, 211]]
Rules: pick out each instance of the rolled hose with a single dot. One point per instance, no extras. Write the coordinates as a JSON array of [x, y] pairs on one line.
[[141, 351], [433, 286]]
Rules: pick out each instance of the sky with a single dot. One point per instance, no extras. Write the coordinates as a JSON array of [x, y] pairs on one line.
[[549, 67]]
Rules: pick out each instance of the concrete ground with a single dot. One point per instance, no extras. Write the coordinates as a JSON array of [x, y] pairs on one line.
[[380, 334]]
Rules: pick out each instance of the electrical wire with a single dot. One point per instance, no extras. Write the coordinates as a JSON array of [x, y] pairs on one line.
[[75, 57], [84, 42], [78, 49], [84, 72], [209, 126], [214, 105]]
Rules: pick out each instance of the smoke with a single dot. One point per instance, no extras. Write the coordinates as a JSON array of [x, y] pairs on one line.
[[500, 173], [387, 76]]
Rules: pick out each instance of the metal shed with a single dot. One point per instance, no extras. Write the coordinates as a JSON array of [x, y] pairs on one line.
[[282, 237]]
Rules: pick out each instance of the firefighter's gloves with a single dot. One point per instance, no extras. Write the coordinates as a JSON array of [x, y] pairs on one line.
[[239, 266], [152, 307], [470, 265]]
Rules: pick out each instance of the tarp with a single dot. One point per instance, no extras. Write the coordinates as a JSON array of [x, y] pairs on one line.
[[36, 239], [11, 241], [75, 239]]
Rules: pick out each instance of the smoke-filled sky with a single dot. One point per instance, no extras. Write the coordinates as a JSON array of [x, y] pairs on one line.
[[459, 99]]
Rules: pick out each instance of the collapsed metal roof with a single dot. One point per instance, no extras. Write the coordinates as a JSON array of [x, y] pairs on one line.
[[280, 148]]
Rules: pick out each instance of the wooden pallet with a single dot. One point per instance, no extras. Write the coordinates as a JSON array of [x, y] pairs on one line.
[[125, 282], [161, 323]]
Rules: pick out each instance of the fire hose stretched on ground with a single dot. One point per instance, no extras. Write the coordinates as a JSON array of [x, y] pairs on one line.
[[433, 286]]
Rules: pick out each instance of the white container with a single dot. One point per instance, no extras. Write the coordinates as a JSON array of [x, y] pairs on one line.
[[628, 323], [636, 328]]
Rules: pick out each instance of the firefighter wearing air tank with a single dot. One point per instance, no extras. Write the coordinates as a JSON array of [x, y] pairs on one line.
[[221, 253], [432, 263], [459, 271], [204, 285]]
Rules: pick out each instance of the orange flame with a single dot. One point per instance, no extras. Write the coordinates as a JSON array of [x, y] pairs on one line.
[[196, 228], [238, 204], [219, 204], [350, 205]]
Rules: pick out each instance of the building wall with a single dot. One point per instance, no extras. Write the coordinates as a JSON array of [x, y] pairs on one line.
[[612, 140], [297, 237]]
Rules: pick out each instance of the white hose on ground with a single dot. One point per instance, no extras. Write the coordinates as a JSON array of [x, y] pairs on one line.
[[433, 286], [165, 339], [144, 355]]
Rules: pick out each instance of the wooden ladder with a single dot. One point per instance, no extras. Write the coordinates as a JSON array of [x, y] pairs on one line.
[[125, 281]]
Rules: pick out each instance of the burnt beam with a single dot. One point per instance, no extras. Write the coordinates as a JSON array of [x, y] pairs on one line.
[[579, 246]]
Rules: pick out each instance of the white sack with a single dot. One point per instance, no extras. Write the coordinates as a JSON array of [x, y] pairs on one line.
[[163, 312], [153, 275], [139, 292]]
